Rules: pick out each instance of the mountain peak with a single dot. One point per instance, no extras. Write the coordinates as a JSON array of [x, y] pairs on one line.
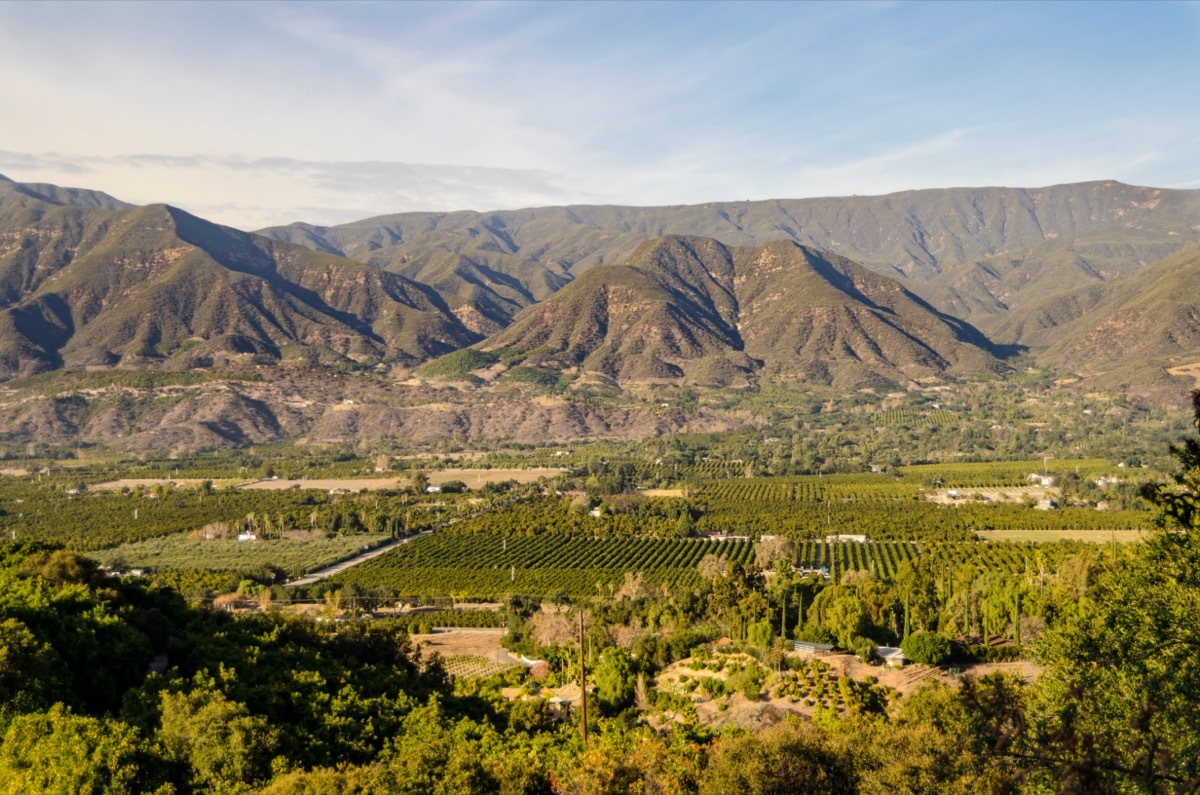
[[690, 309], [66, 197]]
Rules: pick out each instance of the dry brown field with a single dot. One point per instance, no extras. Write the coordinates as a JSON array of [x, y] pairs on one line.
[[1093, 536]]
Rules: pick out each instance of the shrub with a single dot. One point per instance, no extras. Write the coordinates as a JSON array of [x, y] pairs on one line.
[[759, 634], [990, 654], [533, 375], [865, 649], [929, 648], [748, 681], [458, 365]]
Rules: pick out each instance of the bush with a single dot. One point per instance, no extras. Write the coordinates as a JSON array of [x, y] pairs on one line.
[[980, 653], [747, 681], [759, 634], [865, 649], [458, 365], [929, 648], [533, 375], [712, 686]]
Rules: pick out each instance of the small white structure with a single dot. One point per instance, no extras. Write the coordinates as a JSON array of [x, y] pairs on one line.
[[433, 489], [857, 539], [812, 649], [247, 537], [892, 656]]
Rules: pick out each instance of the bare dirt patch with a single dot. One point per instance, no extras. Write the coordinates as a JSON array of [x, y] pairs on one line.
[[469, 455], [474, 478], [737, 710], [902, 680], [344, 484], [1011, 494], [1094, 536], [663, 493], [133, 483], [463, 642], [751, 715], [1188, 371]]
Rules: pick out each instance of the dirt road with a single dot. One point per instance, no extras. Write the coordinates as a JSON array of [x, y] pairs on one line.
[[338, 568]]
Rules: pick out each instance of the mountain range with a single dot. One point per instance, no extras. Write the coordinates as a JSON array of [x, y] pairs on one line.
[[89, 281], [976, 253], [694, 310], [1096, 281]]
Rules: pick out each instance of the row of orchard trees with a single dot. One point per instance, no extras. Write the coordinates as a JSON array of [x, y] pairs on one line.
[[83, 519]]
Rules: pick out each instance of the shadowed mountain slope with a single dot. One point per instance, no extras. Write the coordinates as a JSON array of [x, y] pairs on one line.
[[976, 253], [695, 310], [99, 284]]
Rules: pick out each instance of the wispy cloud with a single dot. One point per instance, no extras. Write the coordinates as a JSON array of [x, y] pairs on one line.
[[262, 113], [321, 191]]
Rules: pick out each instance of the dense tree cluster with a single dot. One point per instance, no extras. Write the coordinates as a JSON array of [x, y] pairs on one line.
[[83, 519]]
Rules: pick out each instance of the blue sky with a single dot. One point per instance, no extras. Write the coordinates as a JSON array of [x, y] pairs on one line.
[[256, 114]]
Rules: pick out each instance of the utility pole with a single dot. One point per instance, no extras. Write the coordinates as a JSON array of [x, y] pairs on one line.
[[582, 685]]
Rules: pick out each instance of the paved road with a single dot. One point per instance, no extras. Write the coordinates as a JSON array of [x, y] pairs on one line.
[[338, 568]]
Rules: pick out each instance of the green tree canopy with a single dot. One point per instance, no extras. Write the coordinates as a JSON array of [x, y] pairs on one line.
[[59, 753], [1118, 707], [929, 648]]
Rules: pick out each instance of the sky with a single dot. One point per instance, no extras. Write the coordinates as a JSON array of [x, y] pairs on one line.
[[256, 114]]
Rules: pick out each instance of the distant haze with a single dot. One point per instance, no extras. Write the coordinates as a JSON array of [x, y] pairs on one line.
[[262, 114]]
